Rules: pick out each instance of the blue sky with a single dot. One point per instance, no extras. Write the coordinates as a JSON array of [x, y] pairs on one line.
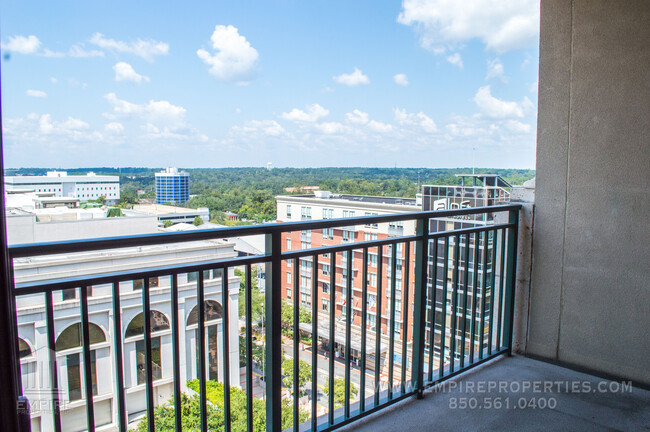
[[421, 83]]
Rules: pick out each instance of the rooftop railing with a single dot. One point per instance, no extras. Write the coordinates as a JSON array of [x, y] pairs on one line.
[[461, 282]]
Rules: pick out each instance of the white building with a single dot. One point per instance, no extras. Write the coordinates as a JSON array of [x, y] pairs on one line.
[[27, 225], [171, 213], [60, 184]]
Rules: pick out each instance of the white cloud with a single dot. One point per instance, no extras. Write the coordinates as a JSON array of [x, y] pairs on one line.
[[503, 25], [411, 119], [311, 114], [79, 51], [114, 128], [161, 121], [36, 93], [258, 130], [53, 80], [23, 45], [401, 79], [32, 45], [329, 127], [357, 117], [125, 72], [71, 127], [162, 112], [234, 56], [146, 49], [352, 79], [456, 60], [493, 107], [517, 126], [495, 70], [379, 126], [534, 87]]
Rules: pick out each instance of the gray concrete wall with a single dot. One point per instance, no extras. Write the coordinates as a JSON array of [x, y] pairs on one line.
[[590, 295]]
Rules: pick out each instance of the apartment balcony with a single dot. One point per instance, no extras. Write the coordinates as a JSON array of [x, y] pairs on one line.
[[377, 372], [72, 396], [568, 286]]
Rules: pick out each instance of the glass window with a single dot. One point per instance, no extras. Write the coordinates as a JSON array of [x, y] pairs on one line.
[[288, 244], [326, 287], [326, 269], [213, 311], [288, 210], [74, 377], [288, 277], [73, 364], [156, 360], [71, 337], [23, 349], [325, 305], [371, 225], [69, 294], [158, 320]]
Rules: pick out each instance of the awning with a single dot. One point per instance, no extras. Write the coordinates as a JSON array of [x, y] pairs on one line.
[[339, 335]]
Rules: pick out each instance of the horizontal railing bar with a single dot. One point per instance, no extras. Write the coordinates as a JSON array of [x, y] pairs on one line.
[[86, 245], [463, 231], [347, 247], [40, 287]]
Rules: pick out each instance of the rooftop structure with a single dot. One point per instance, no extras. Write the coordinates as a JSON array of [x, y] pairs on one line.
[[171, 213], [60, 184]]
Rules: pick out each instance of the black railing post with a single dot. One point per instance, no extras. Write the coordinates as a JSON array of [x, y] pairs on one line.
[[513, 236], [273, 306], [9, 362], [25, 420], [419, 304]]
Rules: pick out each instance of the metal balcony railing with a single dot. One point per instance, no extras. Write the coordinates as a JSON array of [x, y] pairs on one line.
[[474, 286]]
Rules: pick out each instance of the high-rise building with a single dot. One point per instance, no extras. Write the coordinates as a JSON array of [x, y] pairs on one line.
[[60, 184], [172, 186], [485, 190]]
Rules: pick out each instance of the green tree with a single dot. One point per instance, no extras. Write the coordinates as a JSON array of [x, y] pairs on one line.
[[339, 391], [167, 223], [257, 297], [304, 374], [238, 407], [286, 316], [257, 352], [165, 416], [197, 221]]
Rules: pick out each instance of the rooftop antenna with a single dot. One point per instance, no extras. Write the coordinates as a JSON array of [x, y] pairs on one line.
[[473, 159]]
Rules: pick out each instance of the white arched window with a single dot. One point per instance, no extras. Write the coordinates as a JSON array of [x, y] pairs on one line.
[[213, 312], [69, 346], [135, 334]]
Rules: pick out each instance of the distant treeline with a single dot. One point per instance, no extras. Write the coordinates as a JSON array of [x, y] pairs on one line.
[[250, 192]]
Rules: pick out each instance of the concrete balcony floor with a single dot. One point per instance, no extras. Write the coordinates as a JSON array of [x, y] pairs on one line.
[[582, 403]]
